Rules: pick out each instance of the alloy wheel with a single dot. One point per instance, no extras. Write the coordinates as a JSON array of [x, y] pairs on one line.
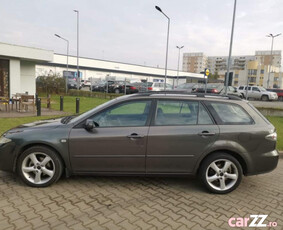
[[222, 174], [38, 168]]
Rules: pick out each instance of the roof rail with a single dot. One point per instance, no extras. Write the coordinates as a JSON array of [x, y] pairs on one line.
[[172, 92]]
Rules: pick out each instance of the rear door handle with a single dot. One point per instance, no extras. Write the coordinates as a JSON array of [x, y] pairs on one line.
[[135, 135], [206, 134]]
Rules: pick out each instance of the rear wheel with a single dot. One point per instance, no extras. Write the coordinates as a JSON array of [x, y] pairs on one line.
[[264, 98], [39, 166], [221, 173]]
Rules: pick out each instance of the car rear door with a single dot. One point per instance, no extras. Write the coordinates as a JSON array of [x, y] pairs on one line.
[[118, 144], [181, 130]]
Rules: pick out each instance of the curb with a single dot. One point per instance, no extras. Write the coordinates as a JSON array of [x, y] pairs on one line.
[[280, 154]]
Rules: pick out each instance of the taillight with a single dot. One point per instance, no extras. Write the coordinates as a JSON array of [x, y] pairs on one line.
[[272, 136], [149, 88], [214, 91], [132, 87]]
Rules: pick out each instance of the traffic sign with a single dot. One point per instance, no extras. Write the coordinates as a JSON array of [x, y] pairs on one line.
[[206, 72]]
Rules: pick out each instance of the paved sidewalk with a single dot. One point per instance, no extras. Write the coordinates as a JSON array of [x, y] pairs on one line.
[[136, 203]]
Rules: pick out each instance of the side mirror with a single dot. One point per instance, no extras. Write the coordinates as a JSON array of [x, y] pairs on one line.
[[89, 125]]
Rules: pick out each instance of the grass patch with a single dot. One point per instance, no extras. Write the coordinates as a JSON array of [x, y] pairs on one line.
[[86, 103], [278, 123], [69, 107]]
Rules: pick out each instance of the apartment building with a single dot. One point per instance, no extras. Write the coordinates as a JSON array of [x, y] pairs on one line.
[[253, 69], [194, 62], [264, 57]]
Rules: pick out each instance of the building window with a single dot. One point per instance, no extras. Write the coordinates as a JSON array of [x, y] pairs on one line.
[[252, 71], [262, 71]]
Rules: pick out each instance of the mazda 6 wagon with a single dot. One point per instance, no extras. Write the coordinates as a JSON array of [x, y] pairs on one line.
[[217, 138]]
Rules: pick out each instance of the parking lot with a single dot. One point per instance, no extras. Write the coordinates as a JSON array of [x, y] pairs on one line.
[[137, 203]]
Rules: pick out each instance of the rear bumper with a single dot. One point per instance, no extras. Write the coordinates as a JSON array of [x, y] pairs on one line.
[[264, 163], [7, 156]]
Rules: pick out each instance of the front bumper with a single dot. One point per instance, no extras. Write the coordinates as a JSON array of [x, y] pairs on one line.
[[264, 163], [7, 156], [273, 97]]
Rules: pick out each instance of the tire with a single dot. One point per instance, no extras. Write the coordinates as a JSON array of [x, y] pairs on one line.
[[117, 91], [280, 98], [230, 177], [264, 98], [48, 170]]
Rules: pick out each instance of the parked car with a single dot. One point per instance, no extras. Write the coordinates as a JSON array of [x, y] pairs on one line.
[[219, 138], [98, 86], [279, 93], [141, 86], [72, 83], [159, 86], [188, 87], [218, 88], [85, 83], [115, 87], [257, 92]]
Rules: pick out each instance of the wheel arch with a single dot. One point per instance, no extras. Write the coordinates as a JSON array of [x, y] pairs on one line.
[[241, 160], [25, 147]]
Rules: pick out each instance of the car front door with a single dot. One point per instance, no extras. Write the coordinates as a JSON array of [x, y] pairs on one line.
[[256, 93], [180, 132], [116, 144]]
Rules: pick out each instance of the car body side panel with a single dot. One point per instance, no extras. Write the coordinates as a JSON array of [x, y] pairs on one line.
[[175, 149]]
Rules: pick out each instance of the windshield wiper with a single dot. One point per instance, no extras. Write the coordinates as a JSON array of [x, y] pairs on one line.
[[65, 120]]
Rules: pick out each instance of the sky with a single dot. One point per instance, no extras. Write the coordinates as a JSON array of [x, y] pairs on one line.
[[133, 31]]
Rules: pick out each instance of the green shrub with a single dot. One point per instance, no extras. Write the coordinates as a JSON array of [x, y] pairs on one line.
[[50, 84]]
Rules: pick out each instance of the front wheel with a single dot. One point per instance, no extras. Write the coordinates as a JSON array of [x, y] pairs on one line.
[[221, 173], [117, 91], [39, 166], [264, 98]]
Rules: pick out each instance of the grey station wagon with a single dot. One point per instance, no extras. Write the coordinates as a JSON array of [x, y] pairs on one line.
[[174, 134]]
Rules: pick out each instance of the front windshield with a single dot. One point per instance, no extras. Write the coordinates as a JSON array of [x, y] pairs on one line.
[[262, 89]]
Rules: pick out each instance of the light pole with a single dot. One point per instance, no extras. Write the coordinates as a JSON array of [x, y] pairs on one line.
[[78, 71], [272, 38], [66, 77], [159, 9], [230, 50], [178, 47]]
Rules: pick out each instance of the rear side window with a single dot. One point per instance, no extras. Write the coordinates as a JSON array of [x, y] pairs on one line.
[[181, 113], [230, 114]]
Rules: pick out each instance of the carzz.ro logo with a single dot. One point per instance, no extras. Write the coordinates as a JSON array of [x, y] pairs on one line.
[[252, 221]]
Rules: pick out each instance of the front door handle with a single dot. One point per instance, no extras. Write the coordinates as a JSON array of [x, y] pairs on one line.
[[206, 134], [135, 135]]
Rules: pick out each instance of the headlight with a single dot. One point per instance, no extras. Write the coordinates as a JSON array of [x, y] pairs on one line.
[[4, 140]]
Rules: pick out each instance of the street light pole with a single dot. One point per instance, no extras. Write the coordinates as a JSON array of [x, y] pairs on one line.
[[159, 9], [178, 47], [66, 77], [78, 71], [271, 53], [230, 50]]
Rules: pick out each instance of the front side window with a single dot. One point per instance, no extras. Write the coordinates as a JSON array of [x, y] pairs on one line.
[[231, 114], [133, 113], [181, 113]]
